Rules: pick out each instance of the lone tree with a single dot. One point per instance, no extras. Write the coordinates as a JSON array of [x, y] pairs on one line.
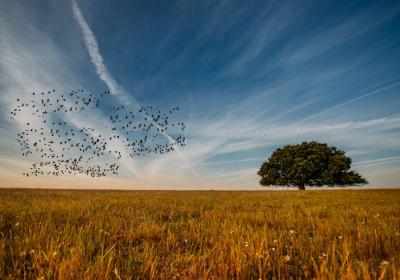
[[309, 164]]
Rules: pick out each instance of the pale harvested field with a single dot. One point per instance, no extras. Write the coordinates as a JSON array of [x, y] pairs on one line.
[[191, 235]]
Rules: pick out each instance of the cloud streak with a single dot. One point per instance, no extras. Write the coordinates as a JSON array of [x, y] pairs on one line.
[[254, 77], [377, 161], [348, 102], [30, 68], [93, 49]]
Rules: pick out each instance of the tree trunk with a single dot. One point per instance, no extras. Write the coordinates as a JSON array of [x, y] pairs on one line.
[[302, 187]]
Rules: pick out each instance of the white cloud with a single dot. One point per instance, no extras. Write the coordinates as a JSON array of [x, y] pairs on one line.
[[326, 39], [93, 49], [215, 137], [351, 101], [376, 161], [239, 128], [32, 63]]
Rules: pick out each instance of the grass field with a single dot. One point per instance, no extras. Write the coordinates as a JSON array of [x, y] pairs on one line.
[[60, 234]]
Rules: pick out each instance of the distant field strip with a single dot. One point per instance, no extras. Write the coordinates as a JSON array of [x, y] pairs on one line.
[[61, 234]]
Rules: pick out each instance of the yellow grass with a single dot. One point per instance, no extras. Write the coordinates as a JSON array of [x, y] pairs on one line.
[[199, 235]]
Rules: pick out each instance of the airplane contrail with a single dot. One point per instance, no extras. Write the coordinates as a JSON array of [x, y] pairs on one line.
[[94, 53], [374, 92], [93, 49]]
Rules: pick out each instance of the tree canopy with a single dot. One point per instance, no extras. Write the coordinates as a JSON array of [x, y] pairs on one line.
[[309, 164]]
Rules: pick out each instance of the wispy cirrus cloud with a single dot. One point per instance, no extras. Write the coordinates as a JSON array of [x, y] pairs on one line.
[[37, 65], [93, 49], [376, 161], [220, 137], [353, 100], [255, 76], [341, 33]]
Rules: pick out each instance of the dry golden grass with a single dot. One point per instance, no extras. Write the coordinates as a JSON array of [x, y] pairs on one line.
[[59, 234]]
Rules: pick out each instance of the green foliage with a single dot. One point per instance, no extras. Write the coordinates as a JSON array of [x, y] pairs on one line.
[[309, 163]]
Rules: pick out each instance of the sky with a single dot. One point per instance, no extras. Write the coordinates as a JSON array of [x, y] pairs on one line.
[[249, 77]]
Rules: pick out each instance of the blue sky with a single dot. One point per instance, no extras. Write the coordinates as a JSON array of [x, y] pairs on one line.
[[250, 76]]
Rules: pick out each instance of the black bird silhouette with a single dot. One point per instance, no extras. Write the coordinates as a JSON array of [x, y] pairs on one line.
[[65, 149]]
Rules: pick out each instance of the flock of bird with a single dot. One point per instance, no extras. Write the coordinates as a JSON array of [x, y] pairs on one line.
[[61, 146]]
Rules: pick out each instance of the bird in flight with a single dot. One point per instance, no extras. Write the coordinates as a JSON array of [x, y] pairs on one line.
[[63, 148]]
